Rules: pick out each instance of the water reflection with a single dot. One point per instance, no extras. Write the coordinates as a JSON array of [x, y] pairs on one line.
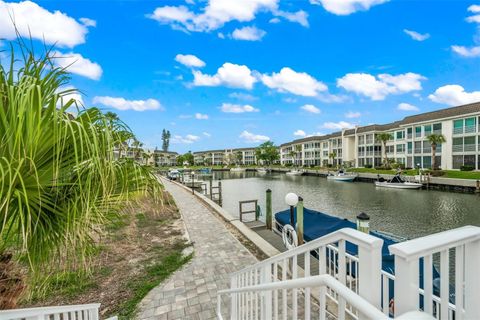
[[407, 213]]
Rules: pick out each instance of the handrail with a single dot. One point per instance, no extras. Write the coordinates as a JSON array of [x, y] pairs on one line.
[[363, 306], [416, 248], [35, 312], [348, 234]]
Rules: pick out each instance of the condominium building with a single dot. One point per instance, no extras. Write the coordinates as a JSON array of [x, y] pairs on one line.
[[359, 146], [243, 156], [164, 158]]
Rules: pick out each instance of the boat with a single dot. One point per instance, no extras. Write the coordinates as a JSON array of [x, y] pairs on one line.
[[196, 184], [342, 176], [173, 174], [205, 171], [397, 183], [294, 172], [237, 169], [262, 170]]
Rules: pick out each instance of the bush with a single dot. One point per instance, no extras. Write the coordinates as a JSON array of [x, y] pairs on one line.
[[437, 173], [368, 166], [467, 168]]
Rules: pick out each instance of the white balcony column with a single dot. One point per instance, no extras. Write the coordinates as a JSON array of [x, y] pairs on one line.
[[472, 280], [406, 285]]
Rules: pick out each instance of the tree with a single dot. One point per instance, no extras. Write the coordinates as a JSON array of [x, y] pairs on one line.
[[384, 137], [267, 152], [188, 157], [238, 157], [59, 181], [165, 140], [332, 155], [180, 160], [435, 140], [155, 157]]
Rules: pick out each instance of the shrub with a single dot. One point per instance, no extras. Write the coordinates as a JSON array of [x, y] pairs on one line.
[[467, 168], [368, 166], [437, 173]]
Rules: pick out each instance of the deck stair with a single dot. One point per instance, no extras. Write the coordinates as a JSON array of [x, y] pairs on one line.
[[330, 283]]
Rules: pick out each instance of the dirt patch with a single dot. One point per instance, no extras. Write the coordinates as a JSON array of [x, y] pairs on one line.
[[138, 251]]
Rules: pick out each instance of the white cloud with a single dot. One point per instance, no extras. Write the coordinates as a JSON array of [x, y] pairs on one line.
[[337, 125], [299, 133], [475, 8], [200, 116], [230, 75], [251, 137], [76, 63], [417, 36], [236, 108], [188, 139], [189, 60], [242, 96], [206, 134], [474, 19], [248, 34], [378, 88], [454, 95], [298, 83], [352, 114], [214, 15], [274, 20], [123, 104], [300, 17], [467, 52], [88, 22], [310, 108], [346, 7], [407, 107], [31, 20]]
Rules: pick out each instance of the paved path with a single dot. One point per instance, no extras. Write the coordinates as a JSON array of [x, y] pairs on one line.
[[191, 293]]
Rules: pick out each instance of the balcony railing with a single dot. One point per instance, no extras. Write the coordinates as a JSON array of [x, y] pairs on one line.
[[437, 131], [470, 129], [427, 150], [457, 148], [458, 130], [409, 136], [469, 147], [418, 150]]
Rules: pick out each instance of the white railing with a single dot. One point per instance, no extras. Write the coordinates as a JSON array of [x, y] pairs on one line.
[[326, 255], [456, 256], [80, 312]]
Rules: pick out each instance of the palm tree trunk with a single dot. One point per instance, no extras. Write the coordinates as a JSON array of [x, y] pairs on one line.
[[434, 151]]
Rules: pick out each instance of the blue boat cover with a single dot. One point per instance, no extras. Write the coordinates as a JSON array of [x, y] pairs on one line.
[[318, 224]]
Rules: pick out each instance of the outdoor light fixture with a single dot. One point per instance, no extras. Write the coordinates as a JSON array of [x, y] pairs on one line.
[[363, 222], [291, 199]]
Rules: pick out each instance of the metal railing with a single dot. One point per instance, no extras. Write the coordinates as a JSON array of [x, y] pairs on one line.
[[457, 148], [470, 129], [84, 312], [242, 211]]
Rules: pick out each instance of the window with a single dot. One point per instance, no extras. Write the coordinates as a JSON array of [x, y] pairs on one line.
[[417, 161], [427, 162], [437, 128], [409, 147], [400, 135], [469, 160], [418, 132], [418, 146], [428, 130], [400, 148], [457, 144], [470, 125], [457, 162], [427, 147], [458, 126], [469, 144]]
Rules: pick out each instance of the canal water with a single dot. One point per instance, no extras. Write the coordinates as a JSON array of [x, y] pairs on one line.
[[406, 213]]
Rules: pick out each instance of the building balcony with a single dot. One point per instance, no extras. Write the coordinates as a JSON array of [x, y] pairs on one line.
[[470, 129], [469, 147], [458, 130], [457, 148], [409, 136], [418, 150], [437, 131], [427, 150]]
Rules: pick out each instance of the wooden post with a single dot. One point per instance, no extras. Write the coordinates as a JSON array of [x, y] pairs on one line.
[[268, 218], [477, 189], [220, 193], [211, 182], [300, 220]]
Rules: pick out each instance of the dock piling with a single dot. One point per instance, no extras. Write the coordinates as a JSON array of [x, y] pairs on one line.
[[300, 220], [268, 218]]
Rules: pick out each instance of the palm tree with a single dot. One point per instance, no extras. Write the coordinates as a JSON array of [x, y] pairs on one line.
[[435, 140], [292, 154], [59, 181], [332, 156], [384, 137]]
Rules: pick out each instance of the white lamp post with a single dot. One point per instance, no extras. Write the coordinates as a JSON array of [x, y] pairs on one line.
[[291, 199]]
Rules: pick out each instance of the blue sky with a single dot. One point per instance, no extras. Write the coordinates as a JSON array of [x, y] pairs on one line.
[[224, 73]]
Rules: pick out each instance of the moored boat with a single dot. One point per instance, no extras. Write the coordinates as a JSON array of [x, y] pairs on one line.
[[342, 176], [397, 183], [294, 172], [173, 174], [237, 169], [262, 170]]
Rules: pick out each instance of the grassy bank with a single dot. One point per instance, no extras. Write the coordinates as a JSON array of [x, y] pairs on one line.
[[139, 251], [454, 174]]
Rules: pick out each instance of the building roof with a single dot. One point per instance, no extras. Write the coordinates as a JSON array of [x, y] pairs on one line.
[[443, 113]]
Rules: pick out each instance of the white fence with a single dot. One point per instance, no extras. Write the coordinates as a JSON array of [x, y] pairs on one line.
[[437, 274], [74, 312]]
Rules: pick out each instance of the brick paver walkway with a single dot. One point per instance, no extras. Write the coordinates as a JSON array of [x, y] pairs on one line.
[[191, 293]]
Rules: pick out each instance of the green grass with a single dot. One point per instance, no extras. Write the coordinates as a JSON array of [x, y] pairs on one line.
[[153, 275], [462, 174], [454, 174]]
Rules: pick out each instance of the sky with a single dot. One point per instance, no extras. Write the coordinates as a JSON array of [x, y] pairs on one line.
[[235, 73]]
